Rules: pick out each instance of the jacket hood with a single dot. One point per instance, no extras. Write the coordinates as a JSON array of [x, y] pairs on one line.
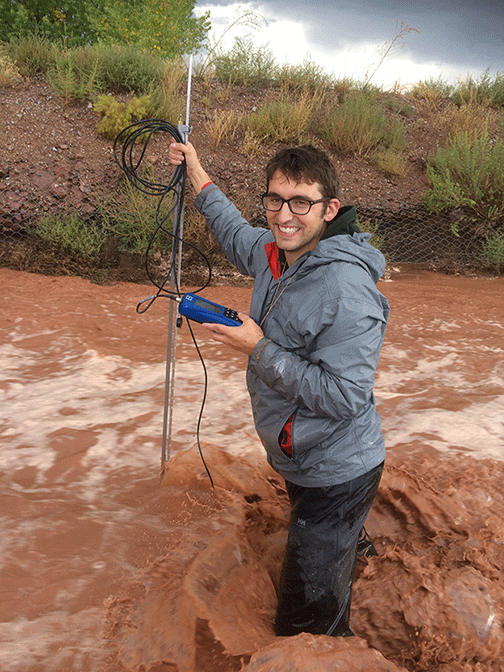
[[344, 222], [344, 241]]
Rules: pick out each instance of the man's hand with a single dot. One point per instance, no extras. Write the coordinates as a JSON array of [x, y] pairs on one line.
[[178, 152], [243, 338]]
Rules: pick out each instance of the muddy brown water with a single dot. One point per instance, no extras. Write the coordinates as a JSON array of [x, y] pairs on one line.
[[106, 567]]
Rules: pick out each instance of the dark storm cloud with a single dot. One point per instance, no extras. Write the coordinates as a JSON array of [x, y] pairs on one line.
[[466, 34]]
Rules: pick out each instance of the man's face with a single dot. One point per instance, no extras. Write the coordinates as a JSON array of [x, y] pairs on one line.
[[296, 234]]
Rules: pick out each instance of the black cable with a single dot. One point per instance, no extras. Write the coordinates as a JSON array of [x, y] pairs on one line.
[[205, 390], [142, 132]]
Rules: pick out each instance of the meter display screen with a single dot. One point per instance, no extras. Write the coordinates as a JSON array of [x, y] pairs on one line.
[[208, 306]]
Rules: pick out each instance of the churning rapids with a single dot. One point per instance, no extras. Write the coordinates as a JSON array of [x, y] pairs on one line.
[[105, 567]]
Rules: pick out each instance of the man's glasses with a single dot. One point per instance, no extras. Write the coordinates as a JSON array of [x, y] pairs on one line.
[[298, 206]]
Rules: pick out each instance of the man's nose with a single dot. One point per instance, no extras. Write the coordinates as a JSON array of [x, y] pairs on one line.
[[284, 214]]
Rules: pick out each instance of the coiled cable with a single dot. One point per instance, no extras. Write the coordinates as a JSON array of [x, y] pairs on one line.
[[140, 133]]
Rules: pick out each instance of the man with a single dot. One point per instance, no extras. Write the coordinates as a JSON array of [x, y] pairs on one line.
[[313, 337]]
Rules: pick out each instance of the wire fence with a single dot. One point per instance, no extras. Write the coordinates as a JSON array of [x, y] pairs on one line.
[[412, 235], [407, 235]]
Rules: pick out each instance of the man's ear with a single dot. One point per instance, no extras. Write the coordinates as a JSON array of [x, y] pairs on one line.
[[332, 209]]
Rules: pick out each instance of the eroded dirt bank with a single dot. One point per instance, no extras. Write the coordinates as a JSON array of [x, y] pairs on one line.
[[106, 568]]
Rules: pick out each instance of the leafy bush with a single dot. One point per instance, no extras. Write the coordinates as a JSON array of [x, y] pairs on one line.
[[483, 91], [492, 251], [77, 74], [32, 54], [281, 121], [244, 65], [468, 174], [71, 233], [117, 116], [85, 72], [360, 126], [167, 28], [130, 69], [130, 216]]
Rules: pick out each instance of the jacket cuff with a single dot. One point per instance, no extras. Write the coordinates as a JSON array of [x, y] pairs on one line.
[[202, 195], [259, 349]]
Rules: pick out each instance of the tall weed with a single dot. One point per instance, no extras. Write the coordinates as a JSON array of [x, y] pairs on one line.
[[471, 118], [432, 93], [71, 233], [131, 70], [483, 91], [307, 76], [491, 253], [33, 54], [282, 120], [9, 72], [166, 101], [244, 65], [369, 226], [76, 74], [468, 174], [224, 123], [360, 126], [130, 215]]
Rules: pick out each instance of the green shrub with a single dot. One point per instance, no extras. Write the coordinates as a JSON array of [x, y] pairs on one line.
[[483, 91], [307, 76], [77, 74], [244, 65], [491, 253], [368, 226], [32, 55], [468, 174], [360, 126], [130, 216], [130, 69], [165, 97], [281, 121], [117, 116], [71, 233]]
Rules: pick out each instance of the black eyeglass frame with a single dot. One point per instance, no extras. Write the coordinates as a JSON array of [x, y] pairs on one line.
[[288, 200]]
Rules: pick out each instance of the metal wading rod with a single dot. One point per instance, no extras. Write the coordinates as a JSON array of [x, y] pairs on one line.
[[178, 225]]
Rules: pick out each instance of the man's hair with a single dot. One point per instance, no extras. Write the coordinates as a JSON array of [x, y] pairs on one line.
[[306, 163]]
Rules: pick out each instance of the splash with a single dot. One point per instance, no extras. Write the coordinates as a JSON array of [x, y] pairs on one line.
[[433, 596]]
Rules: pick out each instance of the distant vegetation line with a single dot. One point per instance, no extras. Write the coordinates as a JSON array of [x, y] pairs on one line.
[[302, 103]]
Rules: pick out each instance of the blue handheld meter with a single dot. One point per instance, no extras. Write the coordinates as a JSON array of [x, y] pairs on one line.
[[201, 310]]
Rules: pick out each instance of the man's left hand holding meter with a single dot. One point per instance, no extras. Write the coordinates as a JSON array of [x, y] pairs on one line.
[[237, 330]]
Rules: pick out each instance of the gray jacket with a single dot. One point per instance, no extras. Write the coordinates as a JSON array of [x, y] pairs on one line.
[[324, 328]]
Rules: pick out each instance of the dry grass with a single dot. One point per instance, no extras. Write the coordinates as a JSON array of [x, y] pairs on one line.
[[9, 72], [224, 123], [471, 118]]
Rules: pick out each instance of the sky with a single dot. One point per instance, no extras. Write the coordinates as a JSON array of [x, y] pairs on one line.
[[449, 39]]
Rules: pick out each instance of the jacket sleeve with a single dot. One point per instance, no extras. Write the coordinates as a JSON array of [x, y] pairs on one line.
[[243, 244], [334, 377]]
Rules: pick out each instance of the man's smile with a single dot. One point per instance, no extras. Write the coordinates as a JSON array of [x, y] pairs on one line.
[[288, 230]]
